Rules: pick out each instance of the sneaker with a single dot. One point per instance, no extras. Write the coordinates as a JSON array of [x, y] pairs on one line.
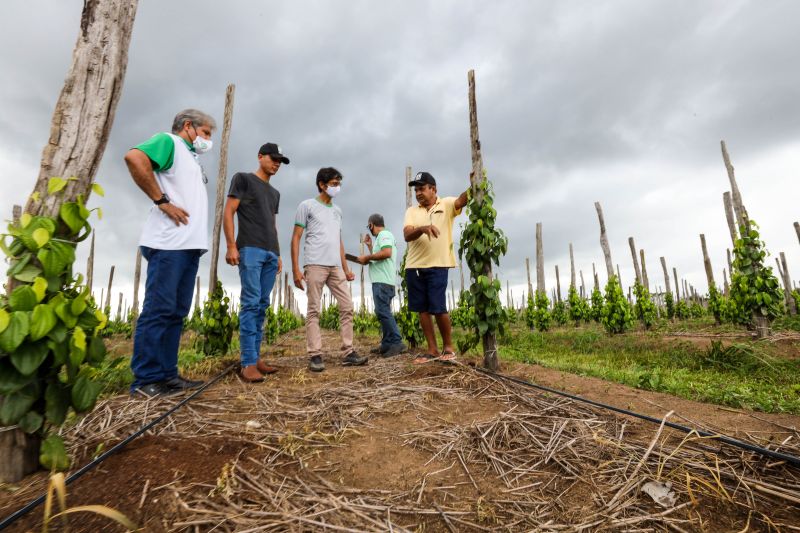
[[353, 359], [264, 368], [155, 390], [180, 383], [250, 374], [394, 349], [376, 350], [423, 358], [315, 364]]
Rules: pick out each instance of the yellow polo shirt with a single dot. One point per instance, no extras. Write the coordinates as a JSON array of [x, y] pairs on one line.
[[427, 252]]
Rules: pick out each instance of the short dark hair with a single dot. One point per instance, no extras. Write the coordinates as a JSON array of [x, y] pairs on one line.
[[327, 174], [376, 220]]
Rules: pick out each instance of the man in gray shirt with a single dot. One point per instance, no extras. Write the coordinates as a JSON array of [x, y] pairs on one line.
[[255, 251], [325, 265]]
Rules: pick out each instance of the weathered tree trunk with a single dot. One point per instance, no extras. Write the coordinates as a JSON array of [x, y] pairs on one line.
[[90, 265], [20, 454], [137, 275], [604, 241], [408, 189], [728, 203], [726, 286], [619, 276], [461, 272], [197, 295], [797, 230], [222, 177], [558, 286], [645, 279], [85, 108], [677, 285], [453, 294], [787, 284], [730, 264], [119, 308], [738, 206], [490, 359], [362, 248], [594, 275], [635, 260], [666, 274], [107, 305], [539, 260], [571, 267], [528, 272], [709, 270], [583, 286]]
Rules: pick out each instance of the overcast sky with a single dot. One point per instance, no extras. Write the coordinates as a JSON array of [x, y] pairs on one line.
[[621, 102]]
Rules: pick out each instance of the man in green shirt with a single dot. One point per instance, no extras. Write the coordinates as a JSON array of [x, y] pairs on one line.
[[382, 274]]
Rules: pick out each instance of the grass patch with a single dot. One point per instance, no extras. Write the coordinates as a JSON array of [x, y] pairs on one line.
[[741, 374]]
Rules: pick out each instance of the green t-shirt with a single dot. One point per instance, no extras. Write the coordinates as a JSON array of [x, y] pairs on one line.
[[161, 150], [383, 271]]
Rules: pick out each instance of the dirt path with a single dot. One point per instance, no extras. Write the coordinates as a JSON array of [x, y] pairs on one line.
[[433, 448]]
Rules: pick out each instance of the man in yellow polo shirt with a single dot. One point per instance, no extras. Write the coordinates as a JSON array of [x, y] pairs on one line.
[[428, 230]]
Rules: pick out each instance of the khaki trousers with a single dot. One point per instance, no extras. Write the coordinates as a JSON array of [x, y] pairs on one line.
[[318, 276]]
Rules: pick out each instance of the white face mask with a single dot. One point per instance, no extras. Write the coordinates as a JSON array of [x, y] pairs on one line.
[[202, 145], [333, 191]]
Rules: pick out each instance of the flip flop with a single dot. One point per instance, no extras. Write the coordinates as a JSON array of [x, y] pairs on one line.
[[447, 357], [423, 358]]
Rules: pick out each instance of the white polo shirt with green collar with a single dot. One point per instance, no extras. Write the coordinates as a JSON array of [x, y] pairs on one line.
[[323, 231]]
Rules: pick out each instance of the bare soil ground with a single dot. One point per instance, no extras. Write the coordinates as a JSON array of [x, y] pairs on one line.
[[396, 447]]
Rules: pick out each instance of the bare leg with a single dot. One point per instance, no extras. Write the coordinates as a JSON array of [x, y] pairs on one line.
[[426, 322], [443, 321]]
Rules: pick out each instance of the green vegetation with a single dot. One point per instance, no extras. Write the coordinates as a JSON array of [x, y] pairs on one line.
[[616, 315], [754, 288], [217, 323]]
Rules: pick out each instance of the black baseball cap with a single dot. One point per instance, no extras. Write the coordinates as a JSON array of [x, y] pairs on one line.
[[422, 178], [274, 151]]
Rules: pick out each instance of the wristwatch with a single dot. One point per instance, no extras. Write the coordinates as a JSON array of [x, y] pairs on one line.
[[163, 200]]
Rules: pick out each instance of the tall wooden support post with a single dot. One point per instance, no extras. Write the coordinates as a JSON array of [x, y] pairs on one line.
[[539, 260], [787, 285], [461, 272], [594, 275], [726, 286], [738, 206], [362, 248], [409, 193], [137, 276], [558, 286], [730, 264], [16, 214], [453, 294], [571, 267], [797, 230], [528, 272], [645, 279], [709, 270], [119, 309], [728, 204], [666, 274], [604, 241], [197, 295], [222, 177], [490, 360], [619, 276], [90, 265], [677, 285], [583, 286], [107, 306], [635, 260]]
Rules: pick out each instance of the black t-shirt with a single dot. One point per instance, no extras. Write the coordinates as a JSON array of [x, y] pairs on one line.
[[258, 205]]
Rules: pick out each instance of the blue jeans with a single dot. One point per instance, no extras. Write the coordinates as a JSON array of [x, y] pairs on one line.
[[257, 269], [382, 294], [167, 299]]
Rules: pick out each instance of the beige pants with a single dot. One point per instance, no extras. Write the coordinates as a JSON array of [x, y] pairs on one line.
[[316, 277]]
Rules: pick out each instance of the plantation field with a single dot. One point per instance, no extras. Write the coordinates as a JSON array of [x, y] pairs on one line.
[[444, 448]]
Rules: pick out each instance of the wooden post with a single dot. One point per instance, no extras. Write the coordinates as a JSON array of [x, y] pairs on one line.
[[645, 279], [677, 285], [409, 193], [726, 286], [362, 247], [90, 264], [16, 214], [594, 275], [730, 265], [797, 230], [666, 274], [490, 359], [571, 267], [222, 176], [619, 276], [604, 241], [709, 270], [197, 295], [558, 286], [583, 286], [787, 285], [461, 271], [635, 260], [137, 274], [738, 206], [528, 272], [108, 292], [119, 308], [453, 293], [727, 202], [539, 260]]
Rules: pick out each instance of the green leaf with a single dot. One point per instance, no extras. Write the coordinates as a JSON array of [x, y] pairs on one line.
[[53, 455], [84, 394], [98, 189], [41, 237], [14, 334], [39, 288], [31, 422], [63, 311], [29, 357], [17, 404], [5, 318], [77, 352], [24, 220], [23, 298], [70, 213], [28, 273], [60, 352], [55, 184], [78, 304], [99, 214], [97, 350], [56, 257], [56, 402], [10, 379]]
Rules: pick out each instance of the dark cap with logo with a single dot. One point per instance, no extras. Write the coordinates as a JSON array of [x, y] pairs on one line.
[[422, 178], [274, 151]]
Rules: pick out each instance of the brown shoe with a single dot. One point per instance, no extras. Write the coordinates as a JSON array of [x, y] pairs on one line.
[[250, 374], [264, 368]]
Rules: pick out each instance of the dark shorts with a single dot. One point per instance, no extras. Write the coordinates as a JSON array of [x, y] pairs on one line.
[[427, 289]]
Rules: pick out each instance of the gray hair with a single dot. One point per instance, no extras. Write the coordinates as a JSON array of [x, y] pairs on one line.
[[197, 118]]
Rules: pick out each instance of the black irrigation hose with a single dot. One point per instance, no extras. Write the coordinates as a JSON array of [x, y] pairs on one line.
[[38, 501], [794, 460]]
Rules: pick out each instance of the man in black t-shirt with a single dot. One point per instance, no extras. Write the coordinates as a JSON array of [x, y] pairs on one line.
[[256, 252]]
